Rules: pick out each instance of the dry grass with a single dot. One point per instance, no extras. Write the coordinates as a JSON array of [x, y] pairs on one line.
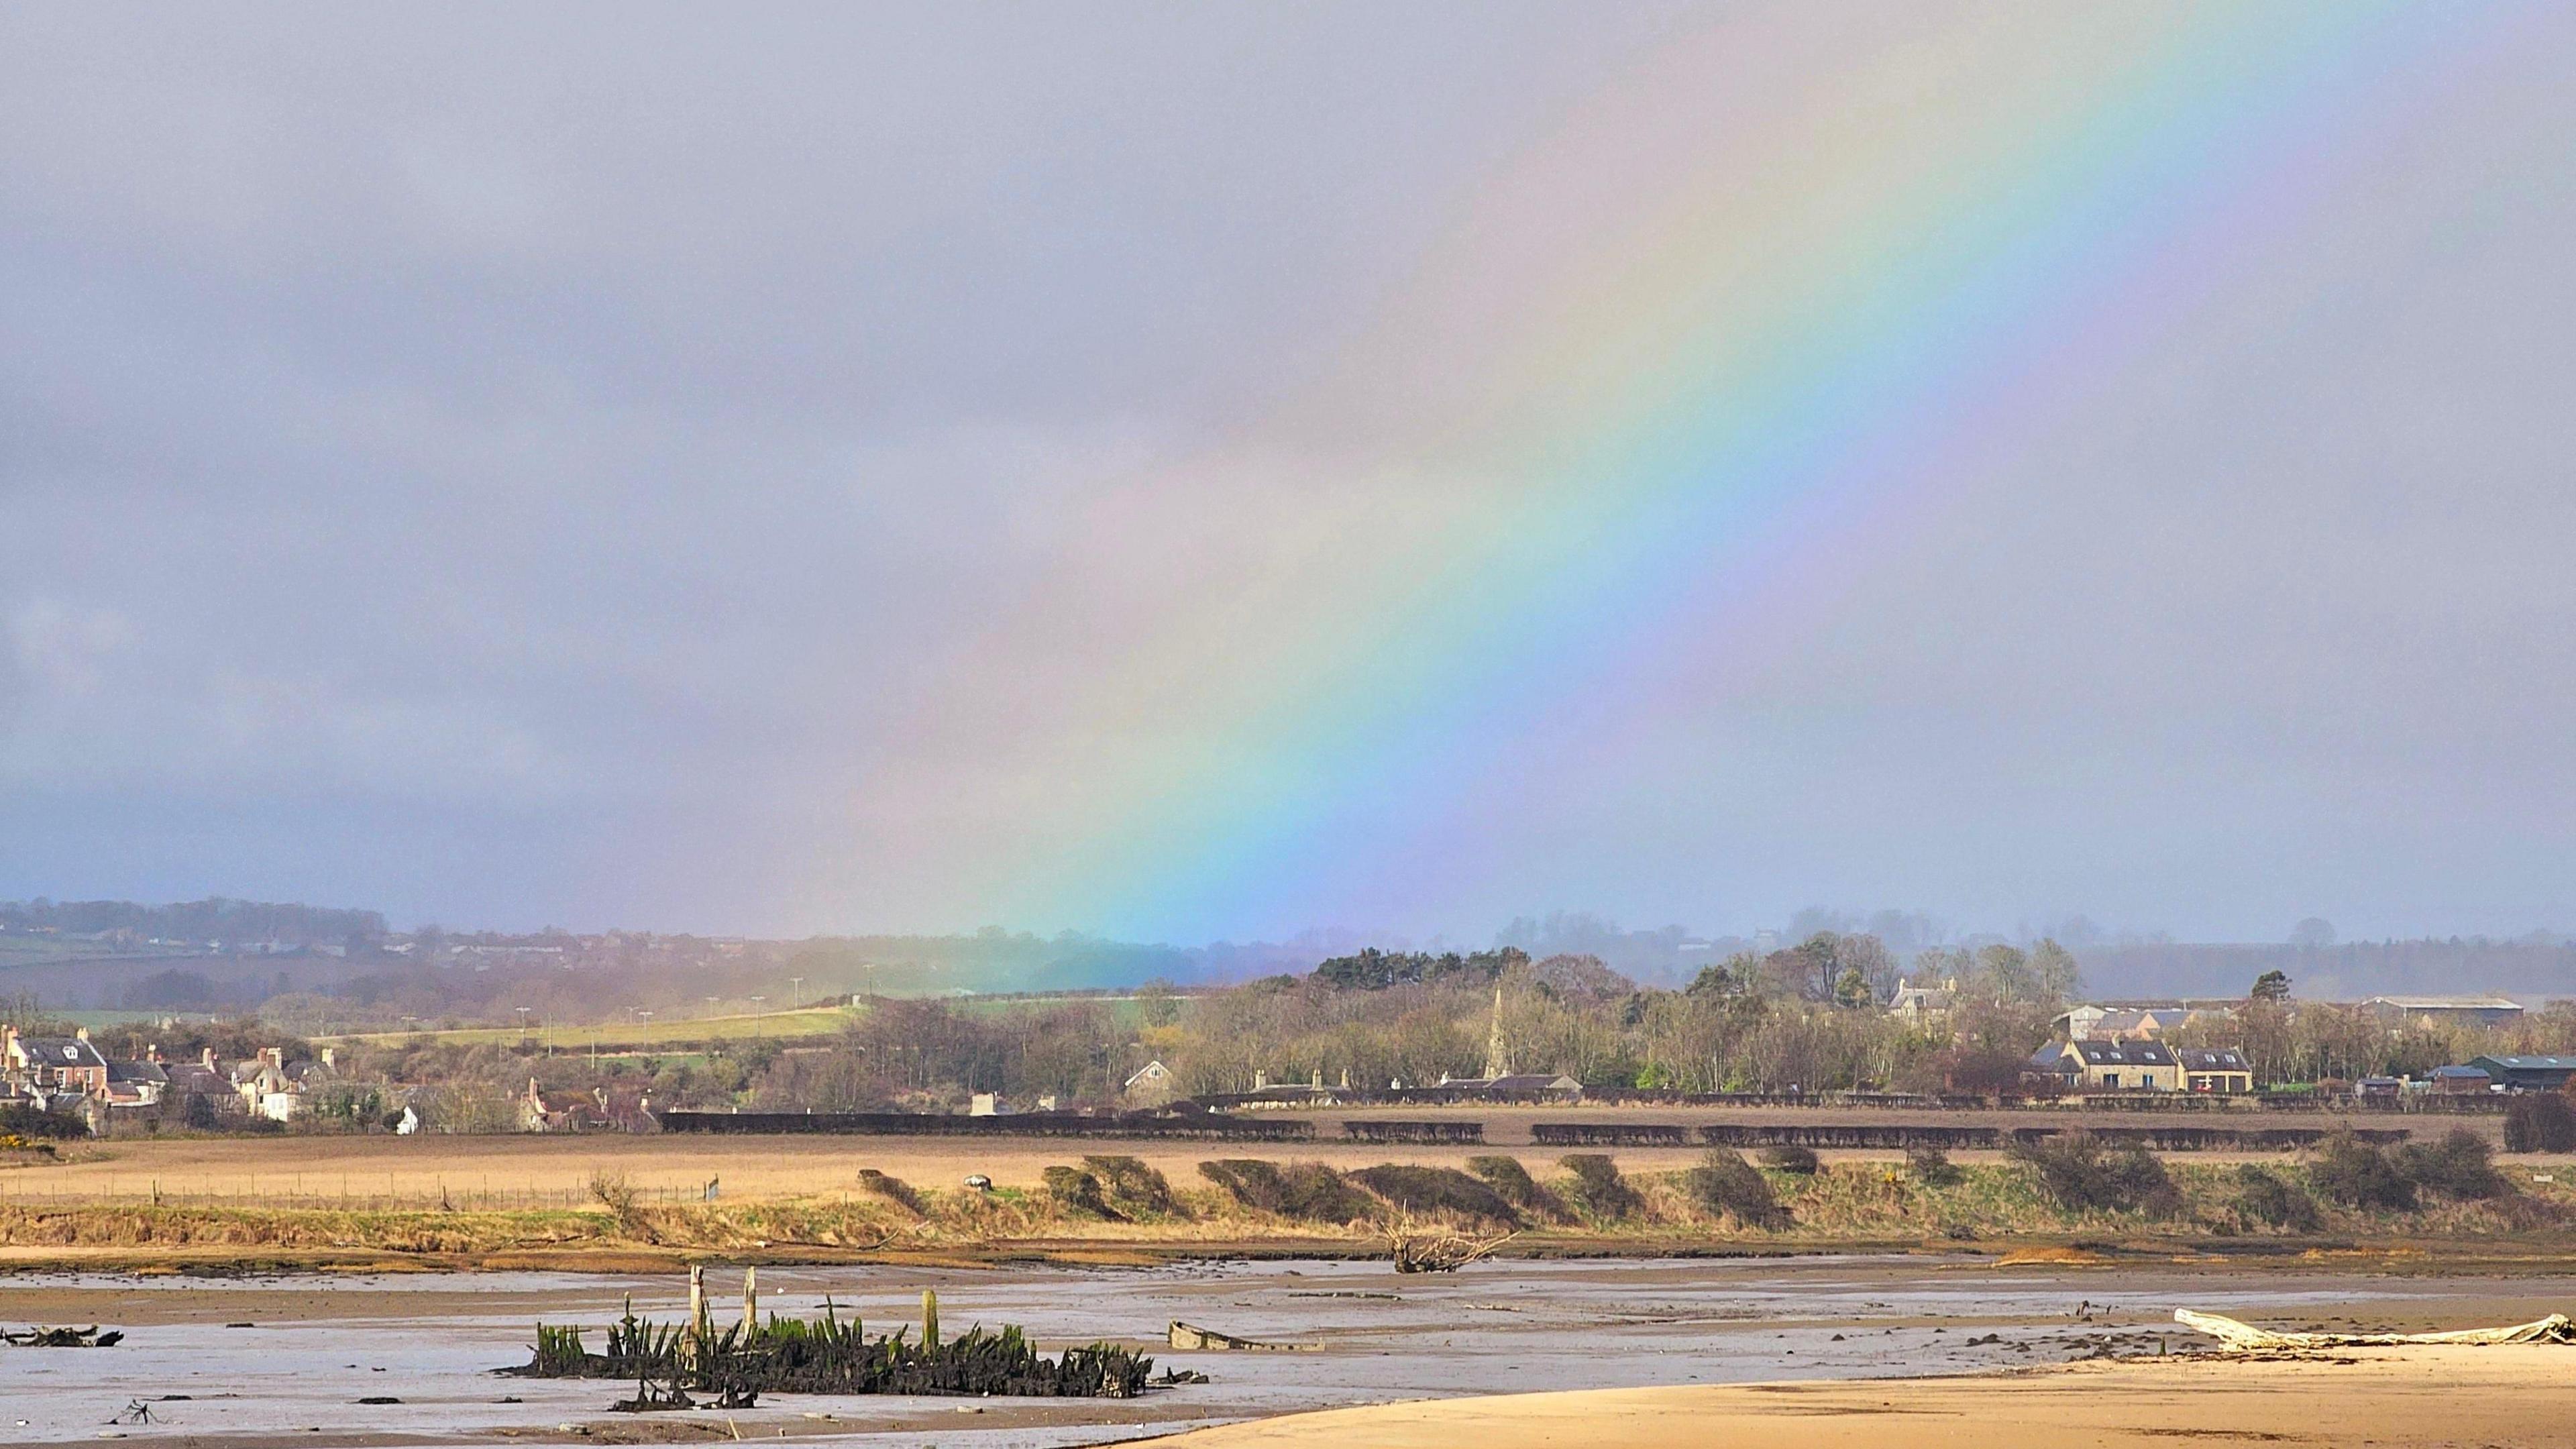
[[473, 1197]]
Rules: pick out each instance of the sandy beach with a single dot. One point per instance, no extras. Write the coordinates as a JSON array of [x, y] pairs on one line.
[[2391, 1398]]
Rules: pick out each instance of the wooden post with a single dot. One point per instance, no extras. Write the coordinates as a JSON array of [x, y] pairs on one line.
[[750, 1303], [929, 1319], [694, 1349]]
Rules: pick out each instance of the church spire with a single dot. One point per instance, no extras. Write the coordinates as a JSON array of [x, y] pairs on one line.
[[1497, 1063]]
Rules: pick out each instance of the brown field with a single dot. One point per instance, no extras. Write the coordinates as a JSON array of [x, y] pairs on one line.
[[530, 1171], [536, 1171]]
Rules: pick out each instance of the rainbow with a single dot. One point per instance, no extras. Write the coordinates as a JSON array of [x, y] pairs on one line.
[[1724, 329]]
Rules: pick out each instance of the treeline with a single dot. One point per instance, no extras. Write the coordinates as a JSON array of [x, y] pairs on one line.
[[215, 918]]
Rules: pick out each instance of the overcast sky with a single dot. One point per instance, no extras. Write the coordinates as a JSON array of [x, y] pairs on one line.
[[519, 465]]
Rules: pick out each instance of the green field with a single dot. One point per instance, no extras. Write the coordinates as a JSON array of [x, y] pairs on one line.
[[663, 1032], [812, 1021]]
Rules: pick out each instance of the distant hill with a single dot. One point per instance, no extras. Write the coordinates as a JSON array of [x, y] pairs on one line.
[[195, 922], [2532, 972]]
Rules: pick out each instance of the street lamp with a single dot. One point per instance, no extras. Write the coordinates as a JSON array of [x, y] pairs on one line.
[[797, 984]]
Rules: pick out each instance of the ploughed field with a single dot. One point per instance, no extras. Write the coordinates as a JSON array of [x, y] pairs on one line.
[[531, 1171]]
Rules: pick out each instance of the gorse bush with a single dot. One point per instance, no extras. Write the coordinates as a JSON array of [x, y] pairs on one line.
[[1932, 1167], [1077, 1192], [2356, 1174], [2458, 1166], [1436, 1190], [1793, 1159], [1514, 1184], [1307, 1191], [893, 1189], [1131, 1185], [2539, 1122], [2080, 1177], [1725, 1183], [1599, 1192], [2267, 1200]]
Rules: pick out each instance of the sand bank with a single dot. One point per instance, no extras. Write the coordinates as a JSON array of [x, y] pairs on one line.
[[2390, 1398]]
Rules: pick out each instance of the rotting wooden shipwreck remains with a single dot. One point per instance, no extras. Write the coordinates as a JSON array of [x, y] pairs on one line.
[[42, 1337], [830, 1355]]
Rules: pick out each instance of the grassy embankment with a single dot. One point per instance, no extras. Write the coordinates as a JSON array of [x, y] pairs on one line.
[[1851, 1204]]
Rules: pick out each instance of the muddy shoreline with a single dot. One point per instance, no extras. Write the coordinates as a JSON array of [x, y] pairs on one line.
[[319, 1344]]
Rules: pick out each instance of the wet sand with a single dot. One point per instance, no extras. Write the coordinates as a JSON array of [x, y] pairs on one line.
[[318, 1343], [2414, 1398]]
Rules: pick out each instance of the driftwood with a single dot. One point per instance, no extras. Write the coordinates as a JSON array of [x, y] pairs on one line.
[[1437, 1250], [2246, 1338], [1190, 1335]]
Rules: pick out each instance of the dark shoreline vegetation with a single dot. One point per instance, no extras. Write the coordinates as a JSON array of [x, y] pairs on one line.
[[827, 1355]]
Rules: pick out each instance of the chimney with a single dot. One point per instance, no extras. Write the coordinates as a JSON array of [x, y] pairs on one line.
[[80, 1034], [152, 1053], [274, 1057], [208, 1056], [330, 1057]]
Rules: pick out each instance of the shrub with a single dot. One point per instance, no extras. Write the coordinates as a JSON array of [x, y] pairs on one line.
[[1436, 1189], [2356, 1174], [21, 1119], [1513, 1183], [1599, 1191], [1725, 1183], [893, 1189], [2263, 1198], [2080, 1177], [1132, 1186], [2539, 1122], [1799, 1160], [1308, 1191], [1076, 1191], [2457, 1167], [612, 1191], [1932, 1167]]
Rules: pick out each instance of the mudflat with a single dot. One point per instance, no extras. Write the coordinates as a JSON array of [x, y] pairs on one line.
[[2391, 1398]]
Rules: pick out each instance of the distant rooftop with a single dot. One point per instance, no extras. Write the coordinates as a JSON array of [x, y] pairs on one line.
[[2445, 1003]]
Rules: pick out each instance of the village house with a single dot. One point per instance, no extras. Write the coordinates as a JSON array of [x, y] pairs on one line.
[[1150, 1086], [2113, 1022], [267, 1087], [46, 1069], [2123, 1066], [2222, 1070], [1923, 1005], [597, 1110], [135, 1084], [542, 1111]]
